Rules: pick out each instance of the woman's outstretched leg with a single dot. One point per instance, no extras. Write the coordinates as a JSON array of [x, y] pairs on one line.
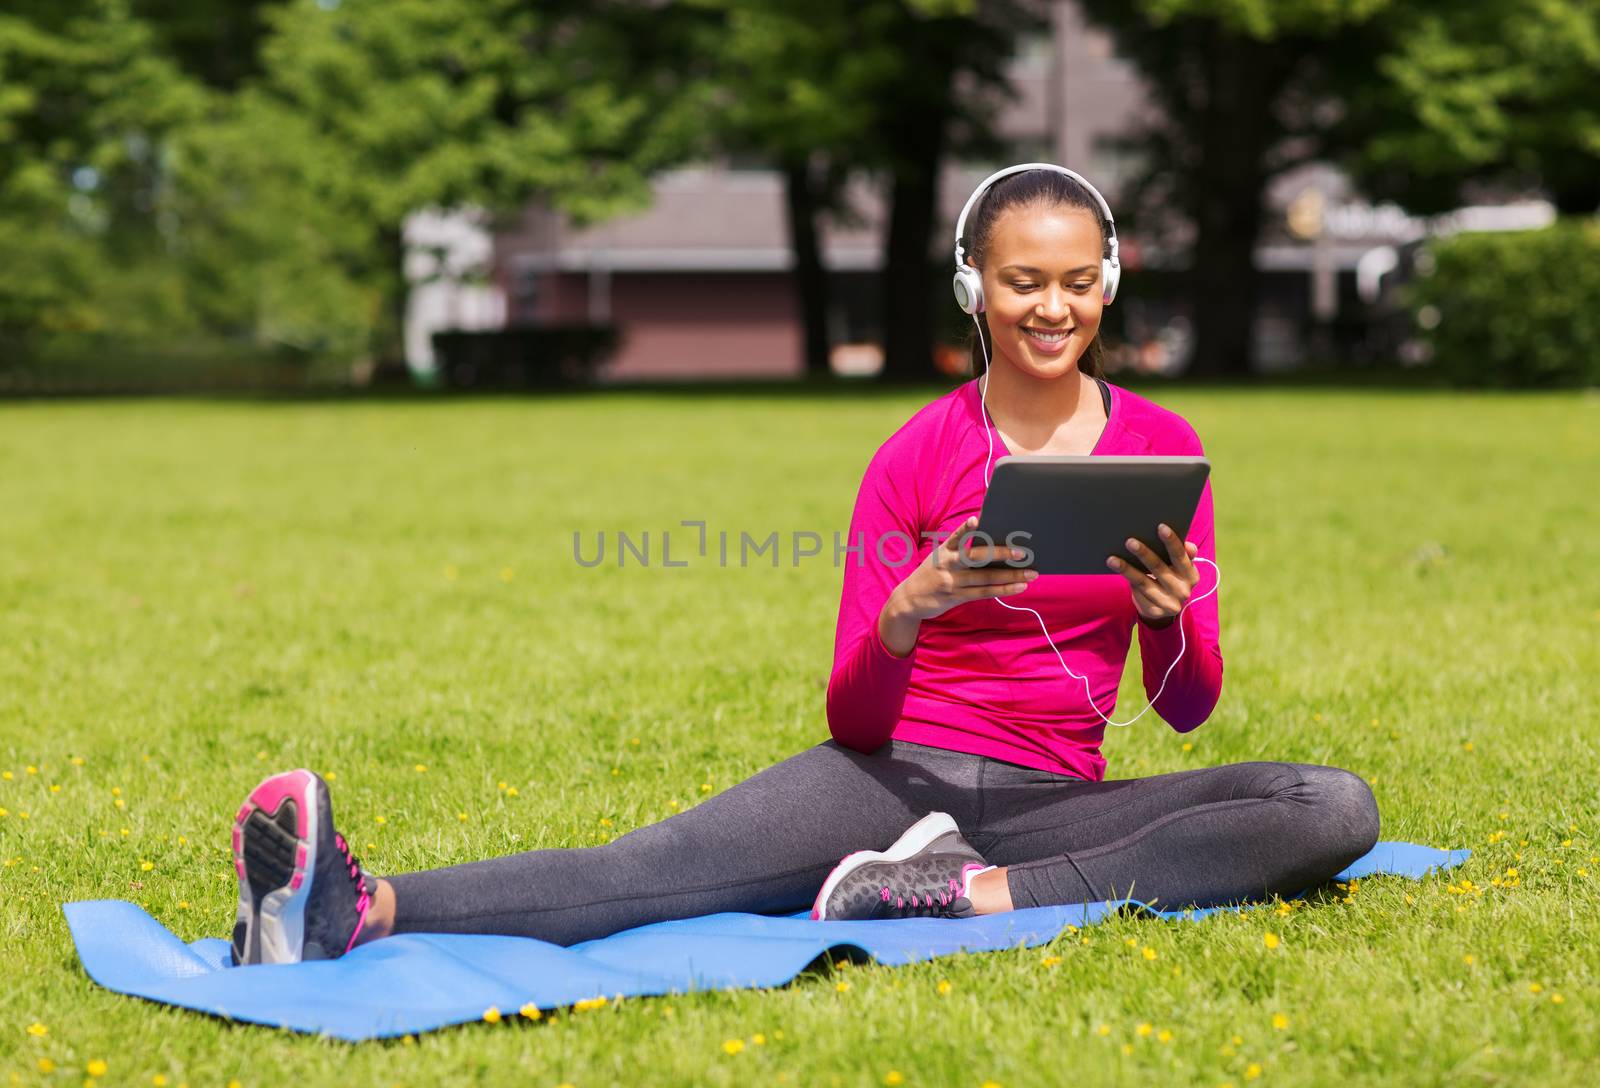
[[1207, 837], [763, 845]]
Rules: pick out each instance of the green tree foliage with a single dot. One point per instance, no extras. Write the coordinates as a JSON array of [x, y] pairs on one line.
[[86, 105], [443, 103], [1500, 92]]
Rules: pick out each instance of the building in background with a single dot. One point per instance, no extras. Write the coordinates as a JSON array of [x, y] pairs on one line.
[[699, 285]]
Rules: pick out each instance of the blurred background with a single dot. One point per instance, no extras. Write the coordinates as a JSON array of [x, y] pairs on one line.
[[482, 194]]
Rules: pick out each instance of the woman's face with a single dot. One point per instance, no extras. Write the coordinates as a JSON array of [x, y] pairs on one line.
[[1041, 287]]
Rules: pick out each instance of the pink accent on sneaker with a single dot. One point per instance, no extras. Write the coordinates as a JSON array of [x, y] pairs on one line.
[[296, 880], [238, 863], [238, 839], [300, 858], [271, 794], [967, 872], [244, 813], [884, 895]]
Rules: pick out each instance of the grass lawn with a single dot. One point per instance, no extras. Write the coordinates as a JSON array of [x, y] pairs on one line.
[[195, 593]]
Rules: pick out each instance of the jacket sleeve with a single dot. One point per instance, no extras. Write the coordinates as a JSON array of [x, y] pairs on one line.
[[867, 688], [1195, 685]]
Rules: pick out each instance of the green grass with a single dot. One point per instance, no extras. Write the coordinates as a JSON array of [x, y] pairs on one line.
[[194, 593]]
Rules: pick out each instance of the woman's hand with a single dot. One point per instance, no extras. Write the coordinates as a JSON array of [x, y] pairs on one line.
[[946, 578], [1161, 594]]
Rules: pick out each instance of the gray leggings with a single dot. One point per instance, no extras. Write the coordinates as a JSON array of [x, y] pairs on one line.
[[1204, 837]]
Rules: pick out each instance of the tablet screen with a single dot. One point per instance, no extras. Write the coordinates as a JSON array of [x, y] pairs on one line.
[[1073, 512]]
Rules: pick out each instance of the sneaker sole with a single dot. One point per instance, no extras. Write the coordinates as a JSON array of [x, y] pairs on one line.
[[273, 838], [917, 838]]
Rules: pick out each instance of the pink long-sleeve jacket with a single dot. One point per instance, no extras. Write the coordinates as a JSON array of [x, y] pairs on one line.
[[982, 678]]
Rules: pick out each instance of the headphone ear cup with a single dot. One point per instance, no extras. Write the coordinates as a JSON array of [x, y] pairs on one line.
[[1111, 277], [968, 288]]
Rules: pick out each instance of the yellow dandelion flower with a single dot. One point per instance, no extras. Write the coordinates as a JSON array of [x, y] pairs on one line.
[[1188, 746], [96, 1068], [4, 813], [462, 816], [1176, 970], [1252, 1071], [893, 1077], [616, 772], [380, 820], [332, 776], [159, 1080], [408, 1040], [46, 1065], [1467, 746], [530, 1011], [1237, 1040], [6, 775], [511, 791], [492, 1014], [231, 1083], [705, 787], [758, 1039], [1127, 1049], [1557, 999], [1280, 1021], [944, 986], [38, 1030], [54, 788], [1469, 959], [506, 574], [990, 1084], [1103, 1030], [1148, 953], [1534, 987], [1050, 961], [1142, 1030], [841, 986], [421, 768], [183, 904], [1164, 1035], [146, 866], [120, 803], [1131, 942], [1566, 842], [605, 821], [32, 769], [1270, 940], [733, 1046]]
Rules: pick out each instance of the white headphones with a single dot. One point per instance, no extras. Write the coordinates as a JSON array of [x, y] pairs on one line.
[[969, 281]]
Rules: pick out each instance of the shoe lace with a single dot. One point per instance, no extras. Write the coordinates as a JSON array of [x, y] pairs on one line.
[[363, 899], [921, 902]]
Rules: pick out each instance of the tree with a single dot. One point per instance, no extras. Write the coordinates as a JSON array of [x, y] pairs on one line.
[[1489, 92], [1243, 89], [888, 88], [443, 103]]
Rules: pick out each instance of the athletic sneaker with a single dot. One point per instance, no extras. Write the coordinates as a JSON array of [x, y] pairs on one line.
[[302, 896], [926, 873]]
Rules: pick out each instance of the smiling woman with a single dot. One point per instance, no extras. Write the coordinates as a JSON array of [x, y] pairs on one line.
[[1038, 240]]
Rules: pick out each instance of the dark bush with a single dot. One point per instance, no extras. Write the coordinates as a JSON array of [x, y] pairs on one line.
[[523, 357], [1519, 308]]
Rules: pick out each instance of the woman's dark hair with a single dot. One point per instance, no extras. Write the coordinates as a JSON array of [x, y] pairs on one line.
[[1042, 188]]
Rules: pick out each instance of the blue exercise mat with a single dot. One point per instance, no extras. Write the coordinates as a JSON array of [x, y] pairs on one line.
[[419, 982]]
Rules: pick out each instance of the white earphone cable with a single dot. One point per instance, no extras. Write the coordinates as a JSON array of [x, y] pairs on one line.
[[1184, 638]]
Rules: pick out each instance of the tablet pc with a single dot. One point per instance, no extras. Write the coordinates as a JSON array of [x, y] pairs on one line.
[[1074, 511]]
